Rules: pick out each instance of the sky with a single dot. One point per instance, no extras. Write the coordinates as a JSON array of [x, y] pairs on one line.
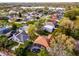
[[38, 1]]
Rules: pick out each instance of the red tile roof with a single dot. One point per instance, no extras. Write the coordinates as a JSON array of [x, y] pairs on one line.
[[54, 17]]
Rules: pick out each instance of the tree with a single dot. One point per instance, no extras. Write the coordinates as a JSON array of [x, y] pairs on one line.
[[29, 10], [24, 49], [19, 52], [66, 23], [14, 27], [40, 23], [70, 28], [3, 23], [72, 13], [46, 10], [5, 43], [31, 31], [75, 33], [62, 45]]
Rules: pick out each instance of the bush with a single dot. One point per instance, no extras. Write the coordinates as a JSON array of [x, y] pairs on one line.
[[43, 52]]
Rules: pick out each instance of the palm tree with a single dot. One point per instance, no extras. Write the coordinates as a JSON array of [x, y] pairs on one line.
[[32, 31]]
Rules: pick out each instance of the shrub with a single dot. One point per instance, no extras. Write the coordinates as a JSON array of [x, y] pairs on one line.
[[42, 52]]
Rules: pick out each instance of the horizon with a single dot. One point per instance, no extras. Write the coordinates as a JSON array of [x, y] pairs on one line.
[[27, 1]]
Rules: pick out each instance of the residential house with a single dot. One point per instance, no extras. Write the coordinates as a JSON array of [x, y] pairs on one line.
[[54, 17], [41, 42], [12, 12], [20, 37], [49, 27], [29, 17], [60, 14], [4, 30], [4, 18]]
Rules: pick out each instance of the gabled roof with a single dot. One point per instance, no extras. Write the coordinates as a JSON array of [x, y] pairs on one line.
[[42, 40]]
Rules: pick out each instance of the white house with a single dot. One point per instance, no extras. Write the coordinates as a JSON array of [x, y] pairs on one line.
[[49, 28]]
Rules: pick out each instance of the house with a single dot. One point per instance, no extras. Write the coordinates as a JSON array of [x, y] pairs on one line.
[[10, 34], [58, 8], [4, 30], [29, 17], [41, 42], [4, 18], [12, 12], [54, 17], [60, 14], [49, 27], [10, 17], [20, 37]]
